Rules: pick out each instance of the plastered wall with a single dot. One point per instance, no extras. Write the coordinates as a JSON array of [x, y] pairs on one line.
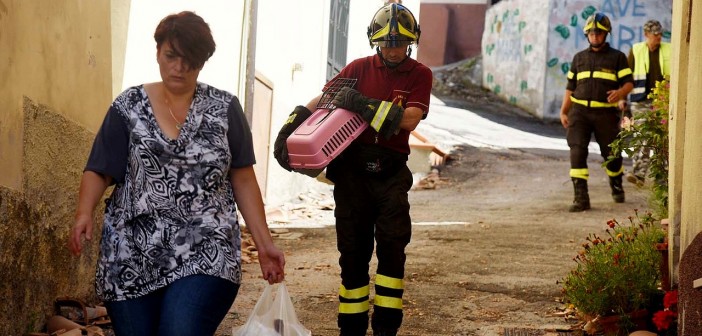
[[685, 186], [55, 66], [514, 50], [526, 54], [54, 53], [451, 32], [685, 177]]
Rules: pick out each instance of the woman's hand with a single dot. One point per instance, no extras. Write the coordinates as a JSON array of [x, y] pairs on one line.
[[92, 187], [83, 225], [248, 199], [272, 262]]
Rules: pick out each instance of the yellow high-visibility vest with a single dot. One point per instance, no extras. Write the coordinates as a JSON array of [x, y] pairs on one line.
[[642, 63]]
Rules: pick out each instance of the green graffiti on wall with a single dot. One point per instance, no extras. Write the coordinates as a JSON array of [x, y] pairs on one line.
[[523, 86], [490, 78], [497, 89], [528, 48], [589, 10], [563, 30], [552, 62], [513, 100], [574, 21], [489, 48], [565, 67]]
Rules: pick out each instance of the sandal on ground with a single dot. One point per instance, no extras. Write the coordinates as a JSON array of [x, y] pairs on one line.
[[77, 311], [58, 325]]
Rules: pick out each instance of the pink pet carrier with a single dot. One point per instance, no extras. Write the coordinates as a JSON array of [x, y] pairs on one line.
[[325, 134]]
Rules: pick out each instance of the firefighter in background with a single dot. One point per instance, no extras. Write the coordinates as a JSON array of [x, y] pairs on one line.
[[598, 82], [650, 62], [371, 177]]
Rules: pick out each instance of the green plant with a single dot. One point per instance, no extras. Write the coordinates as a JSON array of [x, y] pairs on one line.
[[617, 272], [649, 131]]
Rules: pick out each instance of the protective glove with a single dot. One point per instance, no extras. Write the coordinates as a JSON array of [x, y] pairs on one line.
[[382, 116], [280, 147]]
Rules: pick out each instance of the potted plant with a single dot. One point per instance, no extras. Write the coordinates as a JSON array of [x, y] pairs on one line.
[[617, 273]]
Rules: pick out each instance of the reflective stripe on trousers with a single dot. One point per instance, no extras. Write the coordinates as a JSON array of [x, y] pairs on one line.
[[583, 123], [371, 212]]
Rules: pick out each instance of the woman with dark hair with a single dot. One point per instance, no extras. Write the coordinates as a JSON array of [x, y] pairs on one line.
[[180, 156]]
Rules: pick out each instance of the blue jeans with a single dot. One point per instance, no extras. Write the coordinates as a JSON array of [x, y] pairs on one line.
[[194, 305]]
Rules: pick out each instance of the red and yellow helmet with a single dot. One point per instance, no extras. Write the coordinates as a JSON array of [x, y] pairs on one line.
[[393, 25]]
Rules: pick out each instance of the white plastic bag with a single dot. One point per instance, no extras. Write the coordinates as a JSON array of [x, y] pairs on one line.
[[273, 315]]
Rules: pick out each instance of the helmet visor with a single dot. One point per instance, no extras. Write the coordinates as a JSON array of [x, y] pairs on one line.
[[393, 43], [393, 26]]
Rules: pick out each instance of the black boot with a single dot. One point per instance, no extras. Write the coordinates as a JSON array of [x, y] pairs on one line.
[[617, 188], [352, 333], [385, 333], [582, 198]]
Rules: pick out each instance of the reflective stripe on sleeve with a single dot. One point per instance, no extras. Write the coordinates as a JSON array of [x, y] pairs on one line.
[[624, 72], [380, 115]]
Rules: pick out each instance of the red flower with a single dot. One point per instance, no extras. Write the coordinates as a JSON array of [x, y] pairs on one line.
[[663, 318], [670, 299]]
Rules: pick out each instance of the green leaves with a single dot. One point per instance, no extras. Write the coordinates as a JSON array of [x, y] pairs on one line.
[[618, 271], [649, 131]]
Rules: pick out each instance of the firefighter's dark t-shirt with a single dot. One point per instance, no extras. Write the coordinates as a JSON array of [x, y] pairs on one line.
[[408, 85]]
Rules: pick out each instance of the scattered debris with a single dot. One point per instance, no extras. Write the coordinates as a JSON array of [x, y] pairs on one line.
[[431, 181], [310, 209], [75, 318]]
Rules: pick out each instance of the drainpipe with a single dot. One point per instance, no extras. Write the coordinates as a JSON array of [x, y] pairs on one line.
[[247, 57]]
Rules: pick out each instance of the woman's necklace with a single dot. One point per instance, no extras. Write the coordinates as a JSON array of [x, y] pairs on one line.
[[178, 124]]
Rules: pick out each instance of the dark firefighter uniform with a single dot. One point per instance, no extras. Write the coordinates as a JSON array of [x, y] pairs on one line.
[[371, 177], [371, 182], [592, 74]]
